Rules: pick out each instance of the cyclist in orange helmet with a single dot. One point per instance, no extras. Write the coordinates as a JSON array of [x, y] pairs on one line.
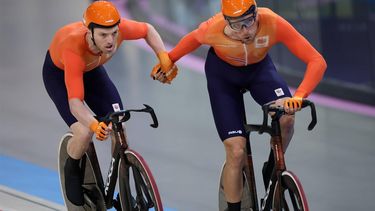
[[240, 37], [74, 75]]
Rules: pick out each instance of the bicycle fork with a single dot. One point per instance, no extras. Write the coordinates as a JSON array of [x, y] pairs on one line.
[[251, 177]]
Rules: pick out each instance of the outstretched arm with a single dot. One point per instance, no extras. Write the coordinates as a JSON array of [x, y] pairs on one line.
[[132, 30], [154, 40], [166, 65], [186, 45]]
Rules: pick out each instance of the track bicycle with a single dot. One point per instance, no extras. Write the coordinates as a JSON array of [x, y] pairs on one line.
[[137, 186], [284, 191]]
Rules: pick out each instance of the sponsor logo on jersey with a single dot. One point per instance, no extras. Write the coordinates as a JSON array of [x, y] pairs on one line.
[[235, 132]]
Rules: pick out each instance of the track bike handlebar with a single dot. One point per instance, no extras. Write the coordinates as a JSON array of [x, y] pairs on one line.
[[271, 107], [124, 115]]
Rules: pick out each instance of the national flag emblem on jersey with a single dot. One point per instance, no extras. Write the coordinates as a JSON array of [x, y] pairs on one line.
[[279, 92], [116, 107], [262, 42]]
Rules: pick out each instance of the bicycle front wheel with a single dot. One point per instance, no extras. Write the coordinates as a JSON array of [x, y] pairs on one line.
[[138, 190], [292, 194]]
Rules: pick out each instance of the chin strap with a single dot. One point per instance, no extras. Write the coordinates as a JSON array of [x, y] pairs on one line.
[[92, 36], [93, 40]]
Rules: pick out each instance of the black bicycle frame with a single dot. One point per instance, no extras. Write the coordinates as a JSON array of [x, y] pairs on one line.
[[276, 145], [121, 145], [110, 185], [108, 188]]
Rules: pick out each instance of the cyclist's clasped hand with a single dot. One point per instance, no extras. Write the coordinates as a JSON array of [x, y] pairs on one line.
[[100, 129], [292, 105], [165, 71]]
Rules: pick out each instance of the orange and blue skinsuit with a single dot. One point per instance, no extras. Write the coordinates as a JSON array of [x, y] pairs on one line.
[[232, 65], [71, 70]]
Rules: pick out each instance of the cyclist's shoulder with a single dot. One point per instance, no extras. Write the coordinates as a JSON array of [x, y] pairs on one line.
[[266, 11], [268, 19], [72, 33], [267, 14], [130, 23], [215, 22], [218, 17], [132, 28], [72, 29], [70, 36]]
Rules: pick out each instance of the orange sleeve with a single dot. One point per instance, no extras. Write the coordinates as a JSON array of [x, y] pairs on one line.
[[189, 42], [73, 73], [132, 30], [301, 48], [186, 45]]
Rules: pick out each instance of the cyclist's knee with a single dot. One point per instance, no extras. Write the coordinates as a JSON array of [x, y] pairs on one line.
[[287, 123], [81, 132], [235, 150]]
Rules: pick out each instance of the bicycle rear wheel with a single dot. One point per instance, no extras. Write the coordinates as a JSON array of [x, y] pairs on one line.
[[292, 196], [138, 190], [93, 197]]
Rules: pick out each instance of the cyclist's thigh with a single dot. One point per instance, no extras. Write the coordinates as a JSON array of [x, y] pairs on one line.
[[53, 79], [226, 100], [101, 95], [268, 85]]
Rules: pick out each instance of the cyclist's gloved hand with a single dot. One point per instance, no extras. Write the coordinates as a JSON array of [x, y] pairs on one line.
[[100, 129], [292, 105], [165, 71], [158, 74], [164, 60]]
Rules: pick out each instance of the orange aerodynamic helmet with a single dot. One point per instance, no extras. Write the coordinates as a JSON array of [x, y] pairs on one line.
[[101, 13], [236, 8]]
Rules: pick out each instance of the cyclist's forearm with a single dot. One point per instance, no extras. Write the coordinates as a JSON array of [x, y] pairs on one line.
[[80, 112], [313, 75], [154, 40], [186, 45]]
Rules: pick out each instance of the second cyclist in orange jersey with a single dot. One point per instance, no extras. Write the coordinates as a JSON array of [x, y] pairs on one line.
[[272, 29], [240, 38]]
